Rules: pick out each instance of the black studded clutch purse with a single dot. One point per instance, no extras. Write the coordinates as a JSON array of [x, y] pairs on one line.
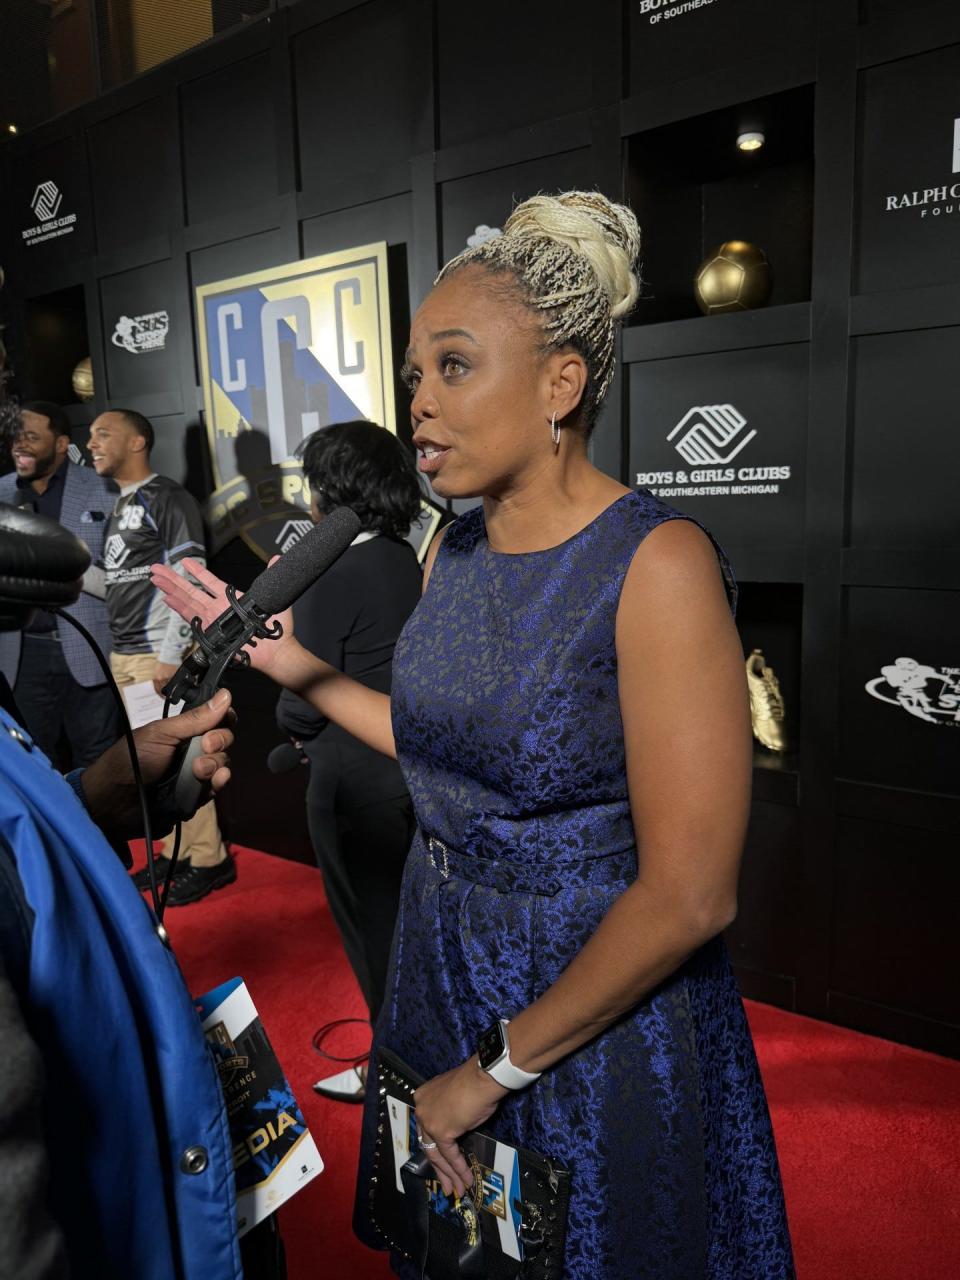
[[511, 1223]]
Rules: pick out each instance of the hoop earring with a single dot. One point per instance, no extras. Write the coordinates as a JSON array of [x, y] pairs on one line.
[[554, 431]]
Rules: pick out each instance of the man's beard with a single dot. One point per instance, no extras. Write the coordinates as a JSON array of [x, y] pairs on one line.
[[43, 465]]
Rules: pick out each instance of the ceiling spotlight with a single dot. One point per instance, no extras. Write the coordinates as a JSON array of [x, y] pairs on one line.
[[11, 128], [750, 141]]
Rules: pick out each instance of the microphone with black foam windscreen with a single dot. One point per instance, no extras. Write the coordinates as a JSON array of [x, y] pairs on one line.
[[41, 565], [246, 621]]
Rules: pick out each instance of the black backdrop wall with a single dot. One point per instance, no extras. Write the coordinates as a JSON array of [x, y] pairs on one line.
[[330, 124]]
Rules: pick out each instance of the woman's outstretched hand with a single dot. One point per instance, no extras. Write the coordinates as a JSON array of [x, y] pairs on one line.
[[209, 600], [363, 712], [447, 1107]]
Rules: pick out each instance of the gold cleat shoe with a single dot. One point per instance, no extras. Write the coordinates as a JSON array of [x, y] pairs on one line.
[[766, 703]]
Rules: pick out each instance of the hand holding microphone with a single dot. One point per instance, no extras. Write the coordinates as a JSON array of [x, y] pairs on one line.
[[110, 787]]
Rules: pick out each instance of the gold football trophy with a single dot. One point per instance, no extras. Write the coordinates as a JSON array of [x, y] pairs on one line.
[[83, 380], [766, 703], [735, 276]]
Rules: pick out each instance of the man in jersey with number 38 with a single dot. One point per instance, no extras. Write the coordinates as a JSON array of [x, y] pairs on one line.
[[154, 521]]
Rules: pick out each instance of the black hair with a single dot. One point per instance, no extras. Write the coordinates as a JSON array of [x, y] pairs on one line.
[[59, 422], [141, 426], [364, 467]]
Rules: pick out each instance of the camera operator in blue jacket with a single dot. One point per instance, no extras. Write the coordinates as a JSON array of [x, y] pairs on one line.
[[115, 1155]]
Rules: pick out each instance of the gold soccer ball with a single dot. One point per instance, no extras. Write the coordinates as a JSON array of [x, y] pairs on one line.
[[83, 380], [735, 276]]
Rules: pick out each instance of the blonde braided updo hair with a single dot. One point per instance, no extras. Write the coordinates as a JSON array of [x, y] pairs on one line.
[[574, 258]]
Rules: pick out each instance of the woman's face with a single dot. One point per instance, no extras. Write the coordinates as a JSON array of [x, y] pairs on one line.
[[480, 389]]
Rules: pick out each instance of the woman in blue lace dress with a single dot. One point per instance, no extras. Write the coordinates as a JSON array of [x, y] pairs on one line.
[[570, 715]]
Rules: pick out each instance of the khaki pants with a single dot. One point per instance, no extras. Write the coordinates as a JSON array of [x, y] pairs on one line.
[[201, 842]]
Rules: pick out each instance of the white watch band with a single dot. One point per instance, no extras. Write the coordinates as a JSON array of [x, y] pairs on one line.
[[504, 1071]]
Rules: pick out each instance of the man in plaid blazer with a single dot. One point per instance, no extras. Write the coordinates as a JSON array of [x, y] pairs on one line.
[[57, 682]]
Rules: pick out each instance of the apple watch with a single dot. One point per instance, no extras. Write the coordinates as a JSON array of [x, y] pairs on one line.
[[493, 1054]]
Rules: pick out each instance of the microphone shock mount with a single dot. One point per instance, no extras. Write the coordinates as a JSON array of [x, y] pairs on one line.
[[220, 646]]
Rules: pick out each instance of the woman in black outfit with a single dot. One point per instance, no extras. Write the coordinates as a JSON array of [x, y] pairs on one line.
[[358, 811]]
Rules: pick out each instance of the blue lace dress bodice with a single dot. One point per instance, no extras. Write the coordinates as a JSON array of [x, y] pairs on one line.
[[507, 723]]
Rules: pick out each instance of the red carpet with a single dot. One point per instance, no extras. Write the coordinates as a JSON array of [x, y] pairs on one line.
[[868, 1131]]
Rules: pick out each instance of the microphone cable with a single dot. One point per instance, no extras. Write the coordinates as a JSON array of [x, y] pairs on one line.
[[159, 901], [158, 895], [177, 835], [320, 1035]]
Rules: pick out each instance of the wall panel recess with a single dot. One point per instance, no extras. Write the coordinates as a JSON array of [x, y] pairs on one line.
[[361, 93], [229, 140], [129, 175]]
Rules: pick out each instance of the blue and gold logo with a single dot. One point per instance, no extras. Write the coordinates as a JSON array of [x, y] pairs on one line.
[[283, 352]]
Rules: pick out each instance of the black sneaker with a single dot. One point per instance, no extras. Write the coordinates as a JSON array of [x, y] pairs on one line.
[[141, 878], [197, 882]]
